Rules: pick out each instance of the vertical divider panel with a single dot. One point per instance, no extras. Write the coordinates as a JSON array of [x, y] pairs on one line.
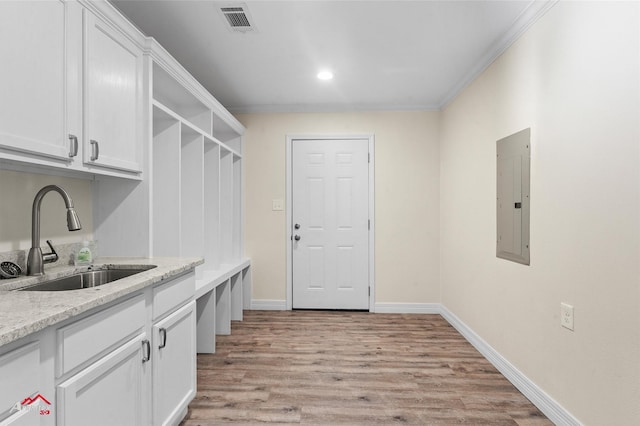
[[223, 309], [206, 322], [166, 184], [236, 239], [191, 195], [246, 288], [226, 205], [211, 205], [236, 297]]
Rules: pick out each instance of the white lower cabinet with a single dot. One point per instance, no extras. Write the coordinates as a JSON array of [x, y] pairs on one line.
[[174, 365], [25, 394], [109, 392], [130, 363], [133, 363], [100, 366]]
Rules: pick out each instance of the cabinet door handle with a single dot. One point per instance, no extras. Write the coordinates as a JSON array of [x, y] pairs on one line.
[[95, 150], [146, 347], [163, 337], [73, 148]]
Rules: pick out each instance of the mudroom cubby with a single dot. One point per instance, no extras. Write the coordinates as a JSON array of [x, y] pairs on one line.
[[191, 164], [191, 195]]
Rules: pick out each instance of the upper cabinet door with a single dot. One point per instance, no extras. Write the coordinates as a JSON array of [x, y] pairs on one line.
[[33, 79], [113, 93]]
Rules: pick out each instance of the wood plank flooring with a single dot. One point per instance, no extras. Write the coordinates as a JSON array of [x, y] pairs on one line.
[[351, 368]]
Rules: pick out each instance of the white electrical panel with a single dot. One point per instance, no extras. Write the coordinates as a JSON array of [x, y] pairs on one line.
[[513, 198]]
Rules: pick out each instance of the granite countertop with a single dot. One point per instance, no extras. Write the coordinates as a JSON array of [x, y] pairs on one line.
[[26, 312]]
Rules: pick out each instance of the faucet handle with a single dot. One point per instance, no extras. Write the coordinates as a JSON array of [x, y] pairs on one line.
[[50, 257]]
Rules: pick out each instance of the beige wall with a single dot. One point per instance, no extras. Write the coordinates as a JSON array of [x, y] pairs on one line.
[[574, 79], [17, 190], [406, 198]]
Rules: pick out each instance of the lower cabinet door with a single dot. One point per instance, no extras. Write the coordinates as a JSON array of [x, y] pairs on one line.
[[19, 380], [174, 365], [109, 392]]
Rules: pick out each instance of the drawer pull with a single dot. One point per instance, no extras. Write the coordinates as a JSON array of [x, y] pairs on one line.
[[163, 335], [146, 347], [73, 149], [95, 150]]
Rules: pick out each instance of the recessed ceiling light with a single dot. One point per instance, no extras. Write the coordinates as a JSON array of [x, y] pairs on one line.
[[325, 75]]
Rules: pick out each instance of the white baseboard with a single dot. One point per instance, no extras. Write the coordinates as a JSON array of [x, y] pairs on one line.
[[554, 411], [407, 308], [268, 305], [383, 308]]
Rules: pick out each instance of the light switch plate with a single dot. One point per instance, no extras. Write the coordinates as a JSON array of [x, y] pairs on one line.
[[566, 316], [277, 205]]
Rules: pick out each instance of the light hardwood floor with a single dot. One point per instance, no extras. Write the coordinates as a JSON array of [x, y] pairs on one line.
[[355, 368]]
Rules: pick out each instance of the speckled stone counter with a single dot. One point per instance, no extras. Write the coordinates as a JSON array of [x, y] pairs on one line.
[[26, 312]]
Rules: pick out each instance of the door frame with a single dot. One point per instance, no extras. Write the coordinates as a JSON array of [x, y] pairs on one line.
[[289, 206]]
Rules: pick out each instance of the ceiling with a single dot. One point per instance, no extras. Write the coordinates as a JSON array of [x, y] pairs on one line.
[[389, 55]]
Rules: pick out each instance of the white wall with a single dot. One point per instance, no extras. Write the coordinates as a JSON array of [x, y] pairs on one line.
[[17, 191], [406, 197], [574, 79]]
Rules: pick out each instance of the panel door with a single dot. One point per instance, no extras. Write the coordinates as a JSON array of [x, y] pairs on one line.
[[109, 392], [330, 216], [33, 87], [113, 98], [174, 364]]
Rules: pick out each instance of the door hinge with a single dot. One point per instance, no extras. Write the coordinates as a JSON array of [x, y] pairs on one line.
[[368, 157], [369, 224], [369, 291]]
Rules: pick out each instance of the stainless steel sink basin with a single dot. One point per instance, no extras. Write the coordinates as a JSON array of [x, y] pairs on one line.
[[86, 279]]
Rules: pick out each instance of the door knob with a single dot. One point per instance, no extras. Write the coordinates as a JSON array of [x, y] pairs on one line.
[[297, 238]]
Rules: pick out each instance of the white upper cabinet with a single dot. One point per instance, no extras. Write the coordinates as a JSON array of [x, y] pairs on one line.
[[71, 87], [113, 97], [33, 89]]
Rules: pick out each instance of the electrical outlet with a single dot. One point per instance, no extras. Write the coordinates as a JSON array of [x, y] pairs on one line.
[[277, 205], [566, 316]]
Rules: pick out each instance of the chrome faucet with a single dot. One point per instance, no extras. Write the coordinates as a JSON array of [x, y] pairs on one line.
[[37, 260]]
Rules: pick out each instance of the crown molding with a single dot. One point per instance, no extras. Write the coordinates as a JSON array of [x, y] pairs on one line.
[[535, 10]]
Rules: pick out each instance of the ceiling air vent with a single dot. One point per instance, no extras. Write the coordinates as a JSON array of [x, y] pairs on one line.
[[237, 17]]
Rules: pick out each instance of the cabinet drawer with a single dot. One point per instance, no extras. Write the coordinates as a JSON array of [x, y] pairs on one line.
[[19, 377], [173, 294], [94, 335]]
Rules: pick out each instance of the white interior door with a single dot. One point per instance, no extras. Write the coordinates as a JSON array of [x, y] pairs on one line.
[[330, 217]]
